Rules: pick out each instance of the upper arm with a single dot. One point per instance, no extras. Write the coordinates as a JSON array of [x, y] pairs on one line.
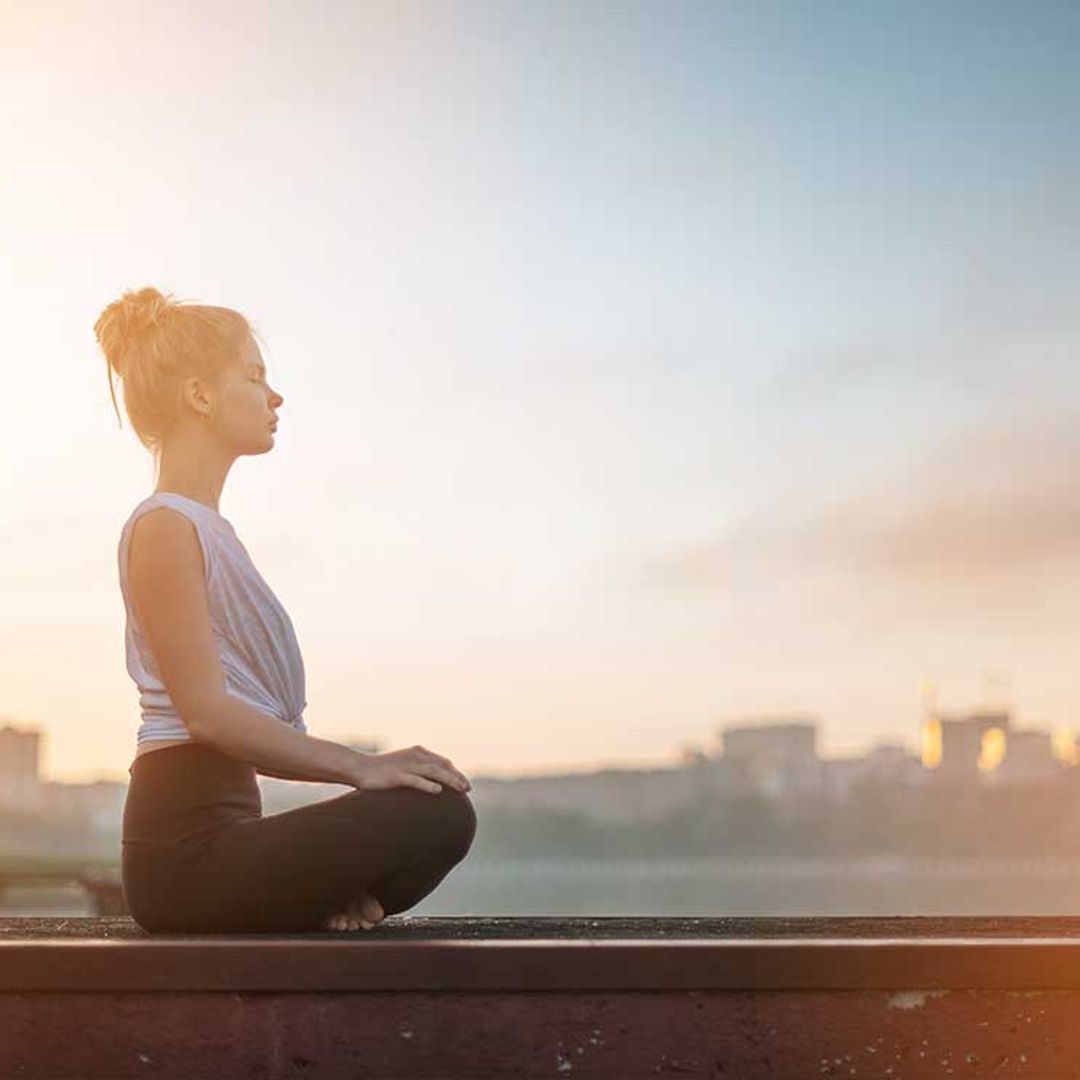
[[166, 576]]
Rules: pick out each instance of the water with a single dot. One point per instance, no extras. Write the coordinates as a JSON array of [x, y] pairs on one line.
[[747, 886], [883, 885], [47, 903]]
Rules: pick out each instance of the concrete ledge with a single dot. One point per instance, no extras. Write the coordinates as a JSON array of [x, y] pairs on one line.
[[541, 964], [476, 997], [593, 927], [565, 954]]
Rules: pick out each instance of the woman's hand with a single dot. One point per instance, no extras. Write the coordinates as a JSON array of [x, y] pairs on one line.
[[415, 767]]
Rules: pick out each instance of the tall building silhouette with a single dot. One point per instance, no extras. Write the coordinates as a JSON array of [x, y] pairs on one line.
[[960, 748], [773, 757], [20, 753]]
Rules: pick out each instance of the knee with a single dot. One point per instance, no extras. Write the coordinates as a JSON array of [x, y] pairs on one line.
[[457, 822], [444, 823]]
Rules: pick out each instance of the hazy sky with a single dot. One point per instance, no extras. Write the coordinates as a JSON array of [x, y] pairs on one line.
[[647, 367]]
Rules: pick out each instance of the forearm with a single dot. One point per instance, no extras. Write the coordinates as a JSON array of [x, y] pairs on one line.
[[275, 749], [263, 771]]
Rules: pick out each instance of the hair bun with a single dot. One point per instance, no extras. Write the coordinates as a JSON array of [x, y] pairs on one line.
[[126, 319], [141, 309]]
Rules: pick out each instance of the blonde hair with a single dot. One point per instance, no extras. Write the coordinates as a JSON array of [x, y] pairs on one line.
[[153, 341]]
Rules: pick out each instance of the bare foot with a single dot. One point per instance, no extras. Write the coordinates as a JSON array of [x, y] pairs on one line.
[[370, 909], [363, 913]]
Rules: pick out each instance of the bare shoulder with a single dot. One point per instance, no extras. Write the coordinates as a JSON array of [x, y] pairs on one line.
[[164, 540], [165, 571]]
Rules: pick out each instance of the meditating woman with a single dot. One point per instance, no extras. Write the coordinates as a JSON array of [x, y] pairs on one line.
[[221, 679]]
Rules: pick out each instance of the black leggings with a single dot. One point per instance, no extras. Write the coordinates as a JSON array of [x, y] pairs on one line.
[[199, 857]]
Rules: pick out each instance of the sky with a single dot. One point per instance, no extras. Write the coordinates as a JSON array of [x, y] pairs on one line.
[[648, 368]]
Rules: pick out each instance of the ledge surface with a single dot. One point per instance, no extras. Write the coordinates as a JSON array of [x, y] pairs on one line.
[[555, 954], [593, 927]]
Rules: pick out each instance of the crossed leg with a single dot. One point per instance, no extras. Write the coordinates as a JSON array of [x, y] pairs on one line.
[[412, 880], [298, 870]]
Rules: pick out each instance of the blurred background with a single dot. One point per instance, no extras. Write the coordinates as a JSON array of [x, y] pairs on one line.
[[679, 426]]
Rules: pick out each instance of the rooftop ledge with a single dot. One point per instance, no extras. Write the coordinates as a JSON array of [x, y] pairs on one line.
[[552, 953], [584, 997]]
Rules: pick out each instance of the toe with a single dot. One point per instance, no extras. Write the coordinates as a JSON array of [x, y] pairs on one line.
[[370, 908]]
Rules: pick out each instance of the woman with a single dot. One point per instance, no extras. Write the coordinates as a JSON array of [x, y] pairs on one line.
[[221, 679]]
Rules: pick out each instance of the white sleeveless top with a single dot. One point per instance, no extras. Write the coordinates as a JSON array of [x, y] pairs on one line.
[[255, 636]]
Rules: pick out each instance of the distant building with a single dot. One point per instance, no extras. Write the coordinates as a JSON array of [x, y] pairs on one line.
[[895, 763], [960, 749], [99, 804], [888, 764], [1066, 747], [20, 752], [839, 775], [772, 758], [607, 796], [1029, 757]]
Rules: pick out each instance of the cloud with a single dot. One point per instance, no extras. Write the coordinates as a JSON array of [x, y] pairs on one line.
[[985, 527]]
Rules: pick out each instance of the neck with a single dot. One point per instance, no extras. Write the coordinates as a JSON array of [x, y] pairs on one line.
[[191, 465]]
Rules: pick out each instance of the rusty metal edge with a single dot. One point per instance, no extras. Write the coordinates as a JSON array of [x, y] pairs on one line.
[[236, 963]]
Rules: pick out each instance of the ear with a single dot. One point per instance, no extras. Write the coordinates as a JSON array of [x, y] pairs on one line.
[[193, 392]]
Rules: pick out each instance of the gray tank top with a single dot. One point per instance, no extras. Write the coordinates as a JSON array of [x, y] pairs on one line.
[[256, 642]]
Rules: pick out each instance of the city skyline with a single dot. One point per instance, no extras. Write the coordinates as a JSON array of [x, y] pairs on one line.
[[924, 745]]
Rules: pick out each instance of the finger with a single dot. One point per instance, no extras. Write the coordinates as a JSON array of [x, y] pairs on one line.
[[435, 759], [447, 764], [417, 781], [445, 776], [455, 778], [451, 768]]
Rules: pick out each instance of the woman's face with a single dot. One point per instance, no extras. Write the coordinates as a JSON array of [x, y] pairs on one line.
[[248, 404]]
